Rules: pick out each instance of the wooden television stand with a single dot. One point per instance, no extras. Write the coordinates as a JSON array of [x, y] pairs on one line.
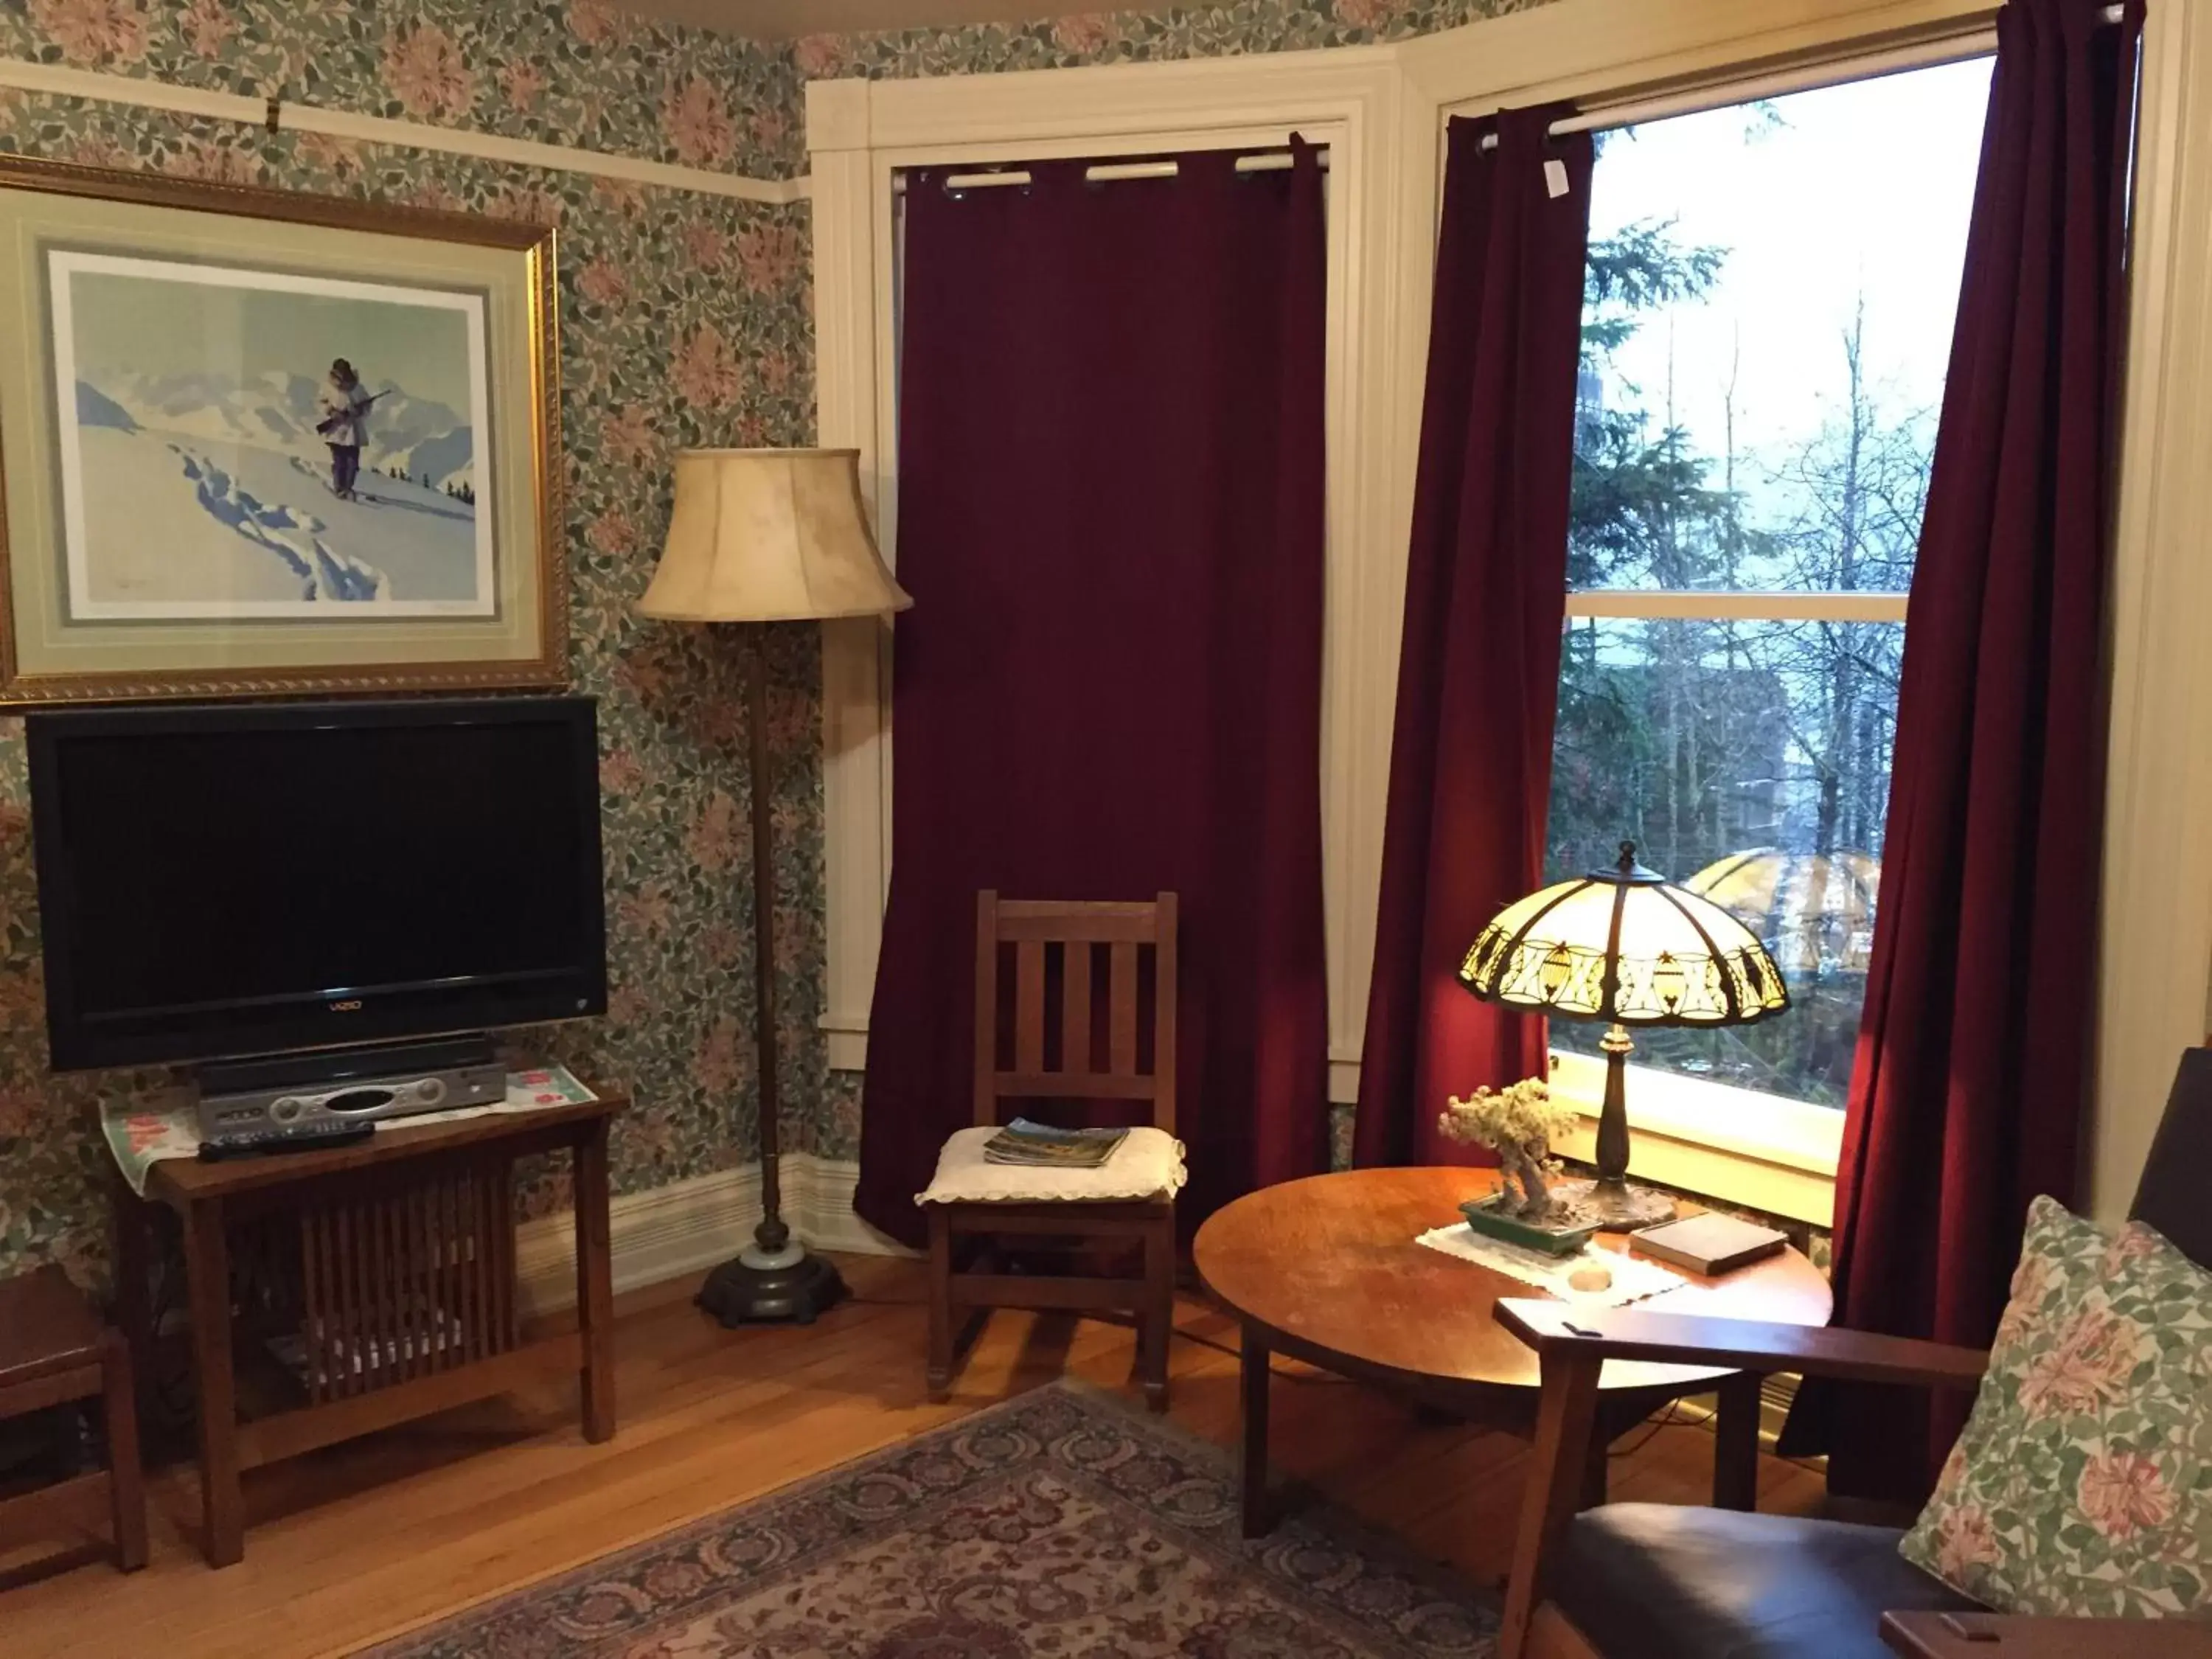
[[391, 1261]]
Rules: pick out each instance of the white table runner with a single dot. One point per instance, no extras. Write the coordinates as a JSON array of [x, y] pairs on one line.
[[143, 1131], [1634, 1277]]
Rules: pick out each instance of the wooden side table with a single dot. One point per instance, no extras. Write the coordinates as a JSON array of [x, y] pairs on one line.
[[1326, 1270], [53, 1350], [385, 1272]]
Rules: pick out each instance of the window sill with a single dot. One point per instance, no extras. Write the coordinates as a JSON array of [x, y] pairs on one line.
[[1734, 1145]]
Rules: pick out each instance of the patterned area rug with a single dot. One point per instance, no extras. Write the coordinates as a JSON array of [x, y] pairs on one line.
[[1061, 1523]]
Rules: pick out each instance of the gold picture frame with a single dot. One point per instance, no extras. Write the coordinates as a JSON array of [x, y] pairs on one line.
[[170, 524]]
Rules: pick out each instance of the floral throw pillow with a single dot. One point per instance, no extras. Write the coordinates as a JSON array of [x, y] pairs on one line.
[[2082, 1485]]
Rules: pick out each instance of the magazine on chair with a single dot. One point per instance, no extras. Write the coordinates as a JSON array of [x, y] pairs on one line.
[[1042, 1146]]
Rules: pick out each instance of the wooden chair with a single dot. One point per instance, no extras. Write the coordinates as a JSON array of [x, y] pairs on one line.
[[53, 1350], [1097, 1207], [1648, 1581]]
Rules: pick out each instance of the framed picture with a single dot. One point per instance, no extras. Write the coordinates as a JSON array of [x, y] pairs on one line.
[[256, 442]]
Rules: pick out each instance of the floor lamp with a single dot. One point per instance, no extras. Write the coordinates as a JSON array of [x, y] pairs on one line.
[[760, 535]]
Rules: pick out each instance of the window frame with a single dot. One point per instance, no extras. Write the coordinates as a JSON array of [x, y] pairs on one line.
[[1776, 1137]]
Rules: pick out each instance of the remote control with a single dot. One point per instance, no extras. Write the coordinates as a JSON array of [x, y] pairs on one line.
[[317, 1135]]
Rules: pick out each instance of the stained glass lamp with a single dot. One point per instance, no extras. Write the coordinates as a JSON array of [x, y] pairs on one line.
[[1629, 947]]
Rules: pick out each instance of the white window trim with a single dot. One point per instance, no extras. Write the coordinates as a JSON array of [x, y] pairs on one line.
[[2157, 882], [2156, 955], [1766, 1151], [1795, 1133], [1715, 605]]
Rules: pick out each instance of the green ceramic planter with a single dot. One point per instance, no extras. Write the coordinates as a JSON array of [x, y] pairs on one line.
[[1553, 1239]]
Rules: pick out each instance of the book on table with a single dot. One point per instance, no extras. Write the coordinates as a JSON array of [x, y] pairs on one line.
[[1708, 1242], [1042, 1146]]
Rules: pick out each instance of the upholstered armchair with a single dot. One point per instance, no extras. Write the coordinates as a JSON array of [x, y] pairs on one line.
[[1649, 1580]]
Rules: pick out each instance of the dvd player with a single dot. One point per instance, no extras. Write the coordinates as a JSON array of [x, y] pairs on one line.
[[300, 1091]]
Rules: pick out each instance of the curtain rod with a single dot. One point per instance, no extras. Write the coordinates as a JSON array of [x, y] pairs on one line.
[[1835, 72], [1270, 160]]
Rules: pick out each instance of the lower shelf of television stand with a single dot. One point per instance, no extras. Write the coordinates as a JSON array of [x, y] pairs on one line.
[[391, 1263]]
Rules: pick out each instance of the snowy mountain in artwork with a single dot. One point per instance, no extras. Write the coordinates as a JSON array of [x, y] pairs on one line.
[[202, 494], [432, 443]]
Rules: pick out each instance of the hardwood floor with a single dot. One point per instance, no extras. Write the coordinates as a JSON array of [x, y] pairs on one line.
[[364, 1540]]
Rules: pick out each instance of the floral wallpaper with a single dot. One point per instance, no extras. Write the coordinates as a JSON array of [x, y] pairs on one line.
[[1113, 37], [684, 321], [581, 72]]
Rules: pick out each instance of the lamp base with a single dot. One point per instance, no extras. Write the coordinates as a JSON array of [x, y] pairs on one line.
[[1617, 1205], [737, 1294]]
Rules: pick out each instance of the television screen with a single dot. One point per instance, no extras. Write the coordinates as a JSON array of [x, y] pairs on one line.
[[228, 880]]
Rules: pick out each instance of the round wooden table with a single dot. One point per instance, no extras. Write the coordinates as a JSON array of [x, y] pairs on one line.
[[1328, 1270]]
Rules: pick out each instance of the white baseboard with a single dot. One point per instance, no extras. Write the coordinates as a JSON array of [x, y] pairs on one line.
[[819, 1203], [685, 1228]]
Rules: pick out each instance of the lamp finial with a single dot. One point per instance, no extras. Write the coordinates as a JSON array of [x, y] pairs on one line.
[[1627, 865]]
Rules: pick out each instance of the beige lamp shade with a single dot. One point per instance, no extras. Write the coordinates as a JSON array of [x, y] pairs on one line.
[[770, 535]]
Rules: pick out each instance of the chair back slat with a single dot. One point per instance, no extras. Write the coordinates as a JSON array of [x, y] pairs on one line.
[[1121, 1015], [1077, 1085], [1100, 924], [1164, 1034], [1075, 1006], [986, 1006], [1045, 938], [1028, 1006]]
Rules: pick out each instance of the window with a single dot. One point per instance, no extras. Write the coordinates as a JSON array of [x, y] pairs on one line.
[[1766, 321]]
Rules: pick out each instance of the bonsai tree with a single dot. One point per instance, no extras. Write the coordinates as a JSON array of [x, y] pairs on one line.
[[1517, 1123]]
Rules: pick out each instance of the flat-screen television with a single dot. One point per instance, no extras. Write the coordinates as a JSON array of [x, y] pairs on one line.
[[236, 879]]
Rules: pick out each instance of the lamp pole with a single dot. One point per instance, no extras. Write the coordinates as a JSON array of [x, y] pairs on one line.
[[772, 1235], [1612, 1147], [773, 1278]]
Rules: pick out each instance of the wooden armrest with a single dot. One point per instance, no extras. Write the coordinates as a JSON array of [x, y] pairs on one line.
[[2002, 1635], [1742, 1345]]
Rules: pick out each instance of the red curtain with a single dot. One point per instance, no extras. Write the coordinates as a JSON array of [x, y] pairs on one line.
[[1974, 1060], [1486, 603], [1110, 515]]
